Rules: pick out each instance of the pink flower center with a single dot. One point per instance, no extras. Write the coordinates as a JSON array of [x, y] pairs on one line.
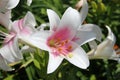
[[60, 42], [60, 47]]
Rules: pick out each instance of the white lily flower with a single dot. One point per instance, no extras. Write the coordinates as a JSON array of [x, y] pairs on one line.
[[105, 49], [60, 40], [6, 5], [10, 49], [64, 38]]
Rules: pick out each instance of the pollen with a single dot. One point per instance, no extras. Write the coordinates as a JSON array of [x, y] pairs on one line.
[[59, 49], [69, 47], [70, 55], [51, 43], [66, 41]]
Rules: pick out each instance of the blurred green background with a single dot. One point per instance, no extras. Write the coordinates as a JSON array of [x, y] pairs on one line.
[[33, 67]]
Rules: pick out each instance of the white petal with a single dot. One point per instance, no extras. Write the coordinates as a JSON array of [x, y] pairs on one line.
[[84, 10], [5, 20], [85, 36], [38, 39], [53, 19], [92, 44], [71, 18], [7, 54], [93, 28], [12, 3], [10, 51], [29, 20], [8, 14], [103, 51], [16, 26], [79, 58], [111, 36], [3, 4], [3, 64], [29, 2], [53, 63], [15, 49]]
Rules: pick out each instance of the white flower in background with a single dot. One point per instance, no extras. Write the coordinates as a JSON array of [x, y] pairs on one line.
[[6, 5], [105, 49], [10, 50]]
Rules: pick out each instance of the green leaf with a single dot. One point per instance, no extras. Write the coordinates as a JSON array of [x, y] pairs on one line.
[[10, 77], [36, 63]]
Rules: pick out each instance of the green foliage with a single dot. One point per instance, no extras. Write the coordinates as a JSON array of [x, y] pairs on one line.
[[34, 65]]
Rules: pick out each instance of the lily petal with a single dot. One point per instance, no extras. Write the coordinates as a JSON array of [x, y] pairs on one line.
[[24, 26], [79, 58], [5, 20], [53, 19], [93, 28], [53, 63], [7, 54], [84, 10], [12, 3], [111, 36], [84, 37], [29, 2], [93, 44], [71, 18], [3, 65], [15, 48], [3, 4], [10, 51], [29, 20], [38, 39]]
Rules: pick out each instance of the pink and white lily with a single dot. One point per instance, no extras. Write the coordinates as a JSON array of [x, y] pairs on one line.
[[6, 5], [105, 49], [10, 49], [64, 38], [61, 39]]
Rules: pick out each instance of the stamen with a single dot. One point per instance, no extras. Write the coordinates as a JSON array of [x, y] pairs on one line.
[[3, 33], [62, 43], [59, 49], [70, 55], [69, 48], [66, 41], [2, 38]]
